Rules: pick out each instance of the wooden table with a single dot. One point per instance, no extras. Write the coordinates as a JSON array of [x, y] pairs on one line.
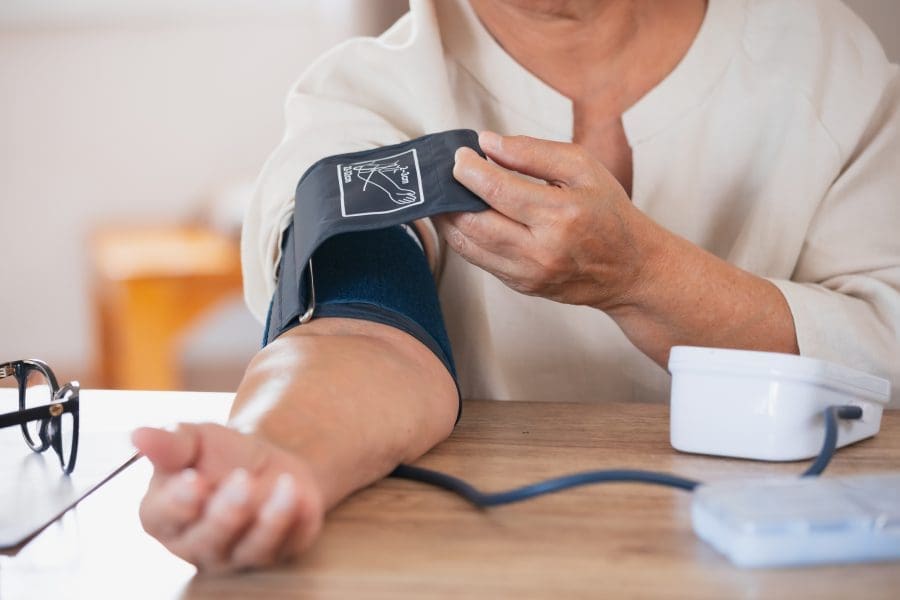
[[400, 539]]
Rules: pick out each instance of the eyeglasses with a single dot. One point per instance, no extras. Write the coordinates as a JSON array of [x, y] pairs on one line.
[[48, 414]]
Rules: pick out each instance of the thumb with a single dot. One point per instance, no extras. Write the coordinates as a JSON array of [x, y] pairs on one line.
[[168, 450]]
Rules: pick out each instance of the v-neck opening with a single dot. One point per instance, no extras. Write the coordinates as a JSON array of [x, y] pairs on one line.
[[684, 87]]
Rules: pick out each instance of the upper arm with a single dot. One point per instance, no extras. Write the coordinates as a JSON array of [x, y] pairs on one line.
[[360, 95]]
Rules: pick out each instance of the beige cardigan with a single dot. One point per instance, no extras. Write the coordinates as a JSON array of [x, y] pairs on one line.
[[774, 144]]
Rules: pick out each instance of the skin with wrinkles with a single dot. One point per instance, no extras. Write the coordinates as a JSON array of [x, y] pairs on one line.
[[577, 238], [335, 404]]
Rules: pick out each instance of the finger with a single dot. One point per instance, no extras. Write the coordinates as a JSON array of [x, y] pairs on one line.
[[169, 451], [496, 264], [208, 542], [227, 514], [266, 541], [170, 506], [492, 231], [555, 162], [506, 192]]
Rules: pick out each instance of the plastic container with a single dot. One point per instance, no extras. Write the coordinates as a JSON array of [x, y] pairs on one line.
[[765, 405]]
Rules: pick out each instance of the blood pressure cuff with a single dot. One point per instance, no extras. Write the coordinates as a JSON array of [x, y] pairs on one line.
[[347, 216]]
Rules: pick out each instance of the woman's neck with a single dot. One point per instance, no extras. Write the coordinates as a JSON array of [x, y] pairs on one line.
[[603, 52]]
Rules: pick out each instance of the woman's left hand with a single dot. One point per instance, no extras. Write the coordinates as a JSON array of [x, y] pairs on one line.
[[573, 237]]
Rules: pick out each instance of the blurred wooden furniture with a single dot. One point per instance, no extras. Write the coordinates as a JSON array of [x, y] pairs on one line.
[[150, 285], [400, 539]]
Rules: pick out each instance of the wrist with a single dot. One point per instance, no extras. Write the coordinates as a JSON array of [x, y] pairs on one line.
[[648, 269], [651, 313]]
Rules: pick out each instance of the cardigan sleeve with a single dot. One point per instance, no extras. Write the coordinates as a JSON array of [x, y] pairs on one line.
[[844, 293]]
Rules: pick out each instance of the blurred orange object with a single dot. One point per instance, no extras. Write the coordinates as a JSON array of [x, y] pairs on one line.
[[151, 284]]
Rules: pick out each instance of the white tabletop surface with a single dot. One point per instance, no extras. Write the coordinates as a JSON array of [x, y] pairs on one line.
[[38, 491]]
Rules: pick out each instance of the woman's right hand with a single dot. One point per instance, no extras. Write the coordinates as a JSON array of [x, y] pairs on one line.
[[225, 500]]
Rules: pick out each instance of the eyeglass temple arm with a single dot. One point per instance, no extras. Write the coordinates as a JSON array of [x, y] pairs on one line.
[[47, 411], [20, 417]]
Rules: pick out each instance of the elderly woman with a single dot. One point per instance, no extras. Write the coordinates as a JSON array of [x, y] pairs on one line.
[[718, 173]]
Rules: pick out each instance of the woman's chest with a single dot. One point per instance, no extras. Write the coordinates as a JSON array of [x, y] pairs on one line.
[[605, 140]]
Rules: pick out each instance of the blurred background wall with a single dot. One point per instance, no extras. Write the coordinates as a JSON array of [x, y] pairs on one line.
[[129, 113], [120, 114]]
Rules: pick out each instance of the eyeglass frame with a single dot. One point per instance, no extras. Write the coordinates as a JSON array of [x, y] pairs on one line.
[[65, 399]]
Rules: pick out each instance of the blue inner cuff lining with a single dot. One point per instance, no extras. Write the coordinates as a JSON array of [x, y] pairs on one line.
[[383, 273], [380, 275]]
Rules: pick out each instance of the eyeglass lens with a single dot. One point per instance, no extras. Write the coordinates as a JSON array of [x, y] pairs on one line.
[[62, 433], [37, 393]]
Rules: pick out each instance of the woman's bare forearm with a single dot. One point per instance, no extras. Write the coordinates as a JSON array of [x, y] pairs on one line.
[[351, 398], [687, 296], [580, 240]]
